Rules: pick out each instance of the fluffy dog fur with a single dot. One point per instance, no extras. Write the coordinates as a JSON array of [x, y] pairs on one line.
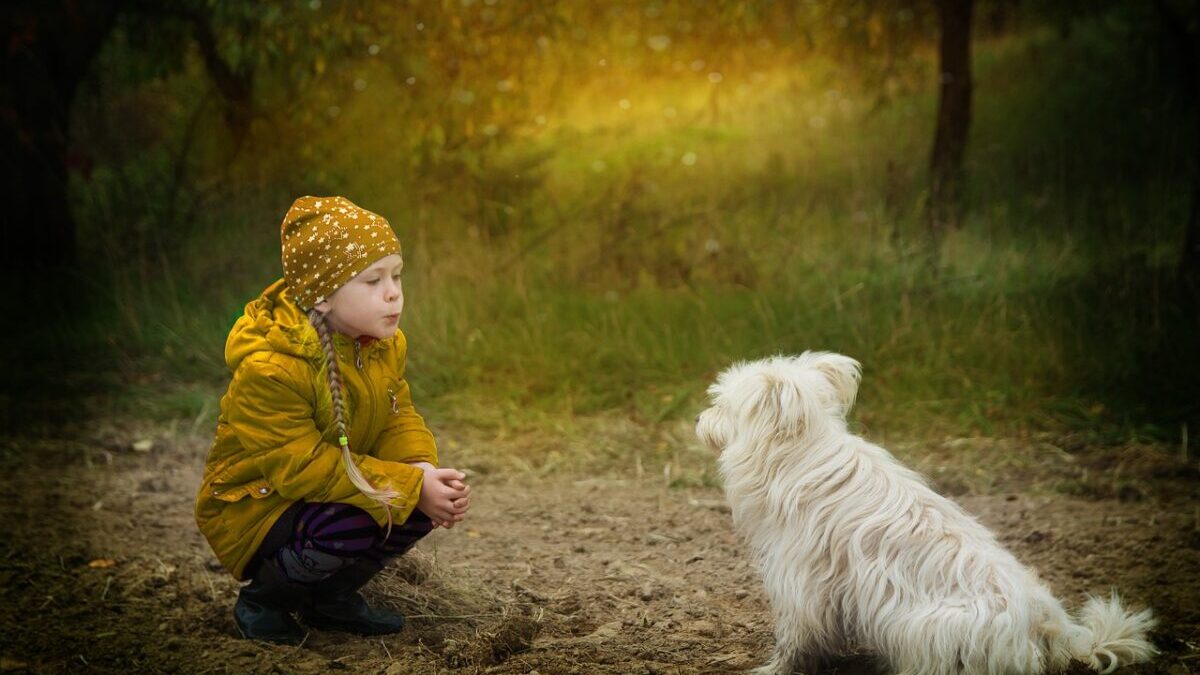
[[855, 549]]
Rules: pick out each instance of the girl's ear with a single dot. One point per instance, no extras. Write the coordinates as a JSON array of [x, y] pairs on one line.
[[322, 307]]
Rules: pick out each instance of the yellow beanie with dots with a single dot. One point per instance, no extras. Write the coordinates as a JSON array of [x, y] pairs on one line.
[[328, 240]]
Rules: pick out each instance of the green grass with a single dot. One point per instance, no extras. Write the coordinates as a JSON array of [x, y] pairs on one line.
[[646, 252]]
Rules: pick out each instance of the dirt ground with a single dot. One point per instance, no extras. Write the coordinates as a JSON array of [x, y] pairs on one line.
[[103, 570]]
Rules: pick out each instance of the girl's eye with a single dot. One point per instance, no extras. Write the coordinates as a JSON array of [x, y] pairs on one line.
[[373, 281]]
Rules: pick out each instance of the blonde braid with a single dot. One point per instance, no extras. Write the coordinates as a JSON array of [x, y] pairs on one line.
[[334, 378]]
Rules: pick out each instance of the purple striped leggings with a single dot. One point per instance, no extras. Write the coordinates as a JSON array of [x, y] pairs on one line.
[[311, 542]]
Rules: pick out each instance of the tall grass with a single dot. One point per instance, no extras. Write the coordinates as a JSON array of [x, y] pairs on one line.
[[669, 226]]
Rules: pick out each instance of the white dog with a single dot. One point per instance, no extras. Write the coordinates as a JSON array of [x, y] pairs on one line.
[[855, 549]]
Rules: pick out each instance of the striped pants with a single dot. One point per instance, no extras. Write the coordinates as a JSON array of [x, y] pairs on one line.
[[311, 542]]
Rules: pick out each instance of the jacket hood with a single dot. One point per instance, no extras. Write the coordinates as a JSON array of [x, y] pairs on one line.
[[272, 322]]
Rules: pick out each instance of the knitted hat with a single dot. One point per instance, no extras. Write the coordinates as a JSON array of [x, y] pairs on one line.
[[328, 240]]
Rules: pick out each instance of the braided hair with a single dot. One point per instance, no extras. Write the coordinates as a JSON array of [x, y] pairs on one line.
[[333, 376]]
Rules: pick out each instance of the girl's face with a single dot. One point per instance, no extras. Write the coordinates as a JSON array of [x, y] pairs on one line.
[[370, 303]]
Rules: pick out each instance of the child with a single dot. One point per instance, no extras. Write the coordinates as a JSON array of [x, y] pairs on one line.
[[321, 467]]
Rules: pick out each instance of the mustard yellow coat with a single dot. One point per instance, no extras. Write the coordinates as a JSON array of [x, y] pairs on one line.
[[276, 442]]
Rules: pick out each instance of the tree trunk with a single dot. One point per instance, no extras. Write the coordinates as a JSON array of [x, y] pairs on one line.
[[1183, 51], [1189, 262], [954, 117], [236, 87], [46, 53]]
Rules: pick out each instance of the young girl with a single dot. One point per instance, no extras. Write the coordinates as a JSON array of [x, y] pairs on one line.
[[321, 468]]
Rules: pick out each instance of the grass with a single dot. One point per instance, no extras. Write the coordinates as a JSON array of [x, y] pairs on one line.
[[647, 251]]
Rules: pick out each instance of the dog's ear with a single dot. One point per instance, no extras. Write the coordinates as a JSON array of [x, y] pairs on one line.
[[775, 402], [842, 372]]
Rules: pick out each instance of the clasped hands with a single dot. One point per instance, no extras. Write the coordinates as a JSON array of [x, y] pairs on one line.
[[445, 496]]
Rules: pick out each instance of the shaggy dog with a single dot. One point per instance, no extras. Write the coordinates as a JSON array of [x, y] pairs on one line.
[[855, 549]]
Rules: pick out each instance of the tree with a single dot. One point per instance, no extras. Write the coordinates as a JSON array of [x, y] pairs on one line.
[[882, 36], [48, 48], [1180, 28], [954, 116], [1168, 32], [278, 66], [51, 46]]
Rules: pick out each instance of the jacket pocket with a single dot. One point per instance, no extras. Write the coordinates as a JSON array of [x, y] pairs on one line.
[[256, 489]]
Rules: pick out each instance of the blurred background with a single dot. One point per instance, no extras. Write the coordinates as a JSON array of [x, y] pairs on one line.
[[992, 204]]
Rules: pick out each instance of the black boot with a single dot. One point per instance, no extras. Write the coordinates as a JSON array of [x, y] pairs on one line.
[[264, 606], [335, 604]]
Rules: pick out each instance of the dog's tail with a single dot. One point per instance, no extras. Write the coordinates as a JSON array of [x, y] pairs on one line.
[[1107, 636]]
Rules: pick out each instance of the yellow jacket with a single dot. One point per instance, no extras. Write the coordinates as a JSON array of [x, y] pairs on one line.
[[276, 442]]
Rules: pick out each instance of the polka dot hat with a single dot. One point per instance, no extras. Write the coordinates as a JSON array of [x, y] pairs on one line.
[[328, 240]]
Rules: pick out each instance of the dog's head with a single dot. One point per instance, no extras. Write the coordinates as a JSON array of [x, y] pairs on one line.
[[781, 396]]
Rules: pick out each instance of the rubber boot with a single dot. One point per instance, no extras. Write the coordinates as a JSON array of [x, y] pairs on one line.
[[335, 604], [264, 606]]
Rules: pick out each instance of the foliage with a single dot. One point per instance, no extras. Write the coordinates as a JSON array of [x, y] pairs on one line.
[[603, 204]]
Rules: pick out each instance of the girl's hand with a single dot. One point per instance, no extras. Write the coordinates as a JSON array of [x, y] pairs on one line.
[[462, 504], [445, 497]]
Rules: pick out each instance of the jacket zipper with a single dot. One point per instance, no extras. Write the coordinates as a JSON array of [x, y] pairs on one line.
[[358, 362]]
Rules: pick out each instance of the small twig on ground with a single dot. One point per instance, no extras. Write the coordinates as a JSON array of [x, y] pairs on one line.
[[528, 592], [211, 586], [452, 616]]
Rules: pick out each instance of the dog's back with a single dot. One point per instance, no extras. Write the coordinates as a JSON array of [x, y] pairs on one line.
[[855, 547]]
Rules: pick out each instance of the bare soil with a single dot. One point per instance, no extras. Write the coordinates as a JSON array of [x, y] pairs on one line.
[[103, 570]]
